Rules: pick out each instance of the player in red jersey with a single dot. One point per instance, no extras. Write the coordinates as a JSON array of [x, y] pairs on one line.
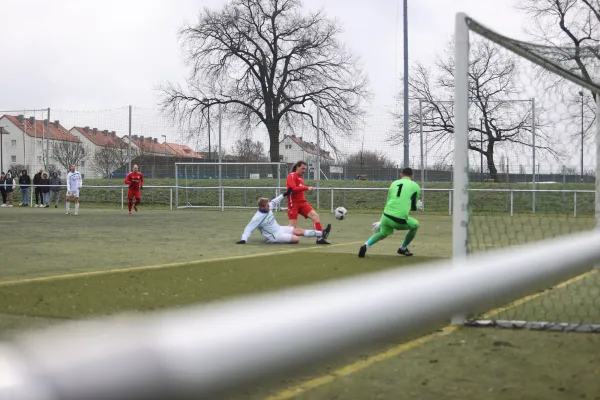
[[135, 180], [297, 204]]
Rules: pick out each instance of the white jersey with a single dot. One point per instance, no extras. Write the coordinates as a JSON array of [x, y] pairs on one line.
[[74, 181], [264, 222]]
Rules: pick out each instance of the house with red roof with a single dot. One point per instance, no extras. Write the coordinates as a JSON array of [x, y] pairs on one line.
[[29, 140], [292, 149], [182, 151], [147, 146], [95, 140]]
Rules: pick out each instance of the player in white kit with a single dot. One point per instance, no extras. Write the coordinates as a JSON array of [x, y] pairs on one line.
[[74, 183], [264, 220]]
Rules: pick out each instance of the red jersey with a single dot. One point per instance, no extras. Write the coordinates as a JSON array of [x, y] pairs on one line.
[[296, 182], [135, 180]]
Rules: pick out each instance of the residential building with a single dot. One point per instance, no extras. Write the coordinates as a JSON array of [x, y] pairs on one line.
[[182, 151], [94, 139], [292, 148], [147, 146], [28, 142]]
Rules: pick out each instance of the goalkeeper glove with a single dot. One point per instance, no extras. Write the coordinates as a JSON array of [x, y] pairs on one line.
[[287, 192], [240, 242], [376, 227], [141, 187]]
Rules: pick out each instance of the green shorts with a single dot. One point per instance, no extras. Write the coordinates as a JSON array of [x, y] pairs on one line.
[[388, 225]]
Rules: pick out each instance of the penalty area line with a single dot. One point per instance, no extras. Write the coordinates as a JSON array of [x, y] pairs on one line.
[[168, 265]]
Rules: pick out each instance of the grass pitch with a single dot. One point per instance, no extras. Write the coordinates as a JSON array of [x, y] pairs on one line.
[[107, 262]]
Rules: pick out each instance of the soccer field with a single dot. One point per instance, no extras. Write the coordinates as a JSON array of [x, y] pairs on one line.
[[103, 262]]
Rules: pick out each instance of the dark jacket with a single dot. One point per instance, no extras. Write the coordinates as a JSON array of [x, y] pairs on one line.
[[37, 179], [45, 183], [55, 182], [24, 179], [9, 182]]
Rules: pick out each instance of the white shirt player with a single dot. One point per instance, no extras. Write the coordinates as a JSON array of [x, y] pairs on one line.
[[266, 223], [74, 183]]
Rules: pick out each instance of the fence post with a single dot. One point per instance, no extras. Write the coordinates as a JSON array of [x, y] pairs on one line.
[[449, 201], [332, 200], [122, 196], [575, 204], [512, 203], [171, 198]]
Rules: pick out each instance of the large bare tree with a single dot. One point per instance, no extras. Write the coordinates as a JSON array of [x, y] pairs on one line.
[[67, 153], [497, 115], [106, 160], [266, 63], [569, 31]]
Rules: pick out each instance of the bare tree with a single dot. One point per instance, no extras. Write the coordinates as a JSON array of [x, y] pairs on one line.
[[67, 153], [569, 31], [264, 62], [249, 150], [369, 158], [493, 91], [108, 159]]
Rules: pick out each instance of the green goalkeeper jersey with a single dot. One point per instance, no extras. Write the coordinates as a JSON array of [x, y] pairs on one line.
[[402, 198]]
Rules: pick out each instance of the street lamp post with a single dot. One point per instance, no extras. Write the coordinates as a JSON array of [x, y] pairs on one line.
[[581, 94], [209, 154]]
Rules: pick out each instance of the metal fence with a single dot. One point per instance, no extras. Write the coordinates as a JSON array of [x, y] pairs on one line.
[[435, 200]]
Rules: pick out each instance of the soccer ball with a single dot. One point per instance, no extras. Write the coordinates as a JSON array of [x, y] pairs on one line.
[[340, 213]]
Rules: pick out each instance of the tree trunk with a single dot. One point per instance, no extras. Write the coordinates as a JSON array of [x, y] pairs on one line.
[[489, 156], [273, 129]]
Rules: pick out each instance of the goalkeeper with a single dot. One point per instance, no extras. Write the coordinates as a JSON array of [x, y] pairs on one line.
[[403, 197]]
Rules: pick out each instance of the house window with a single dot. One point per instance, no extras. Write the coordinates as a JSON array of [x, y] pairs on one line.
[[13, 143], [288, 146], [13, 159]]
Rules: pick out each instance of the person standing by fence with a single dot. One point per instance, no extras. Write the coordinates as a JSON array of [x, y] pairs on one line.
[[24, 185], [54, 189]]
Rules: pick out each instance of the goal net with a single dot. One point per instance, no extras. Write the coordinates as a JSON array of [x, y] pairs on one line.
[[525, 162], [227, 184]]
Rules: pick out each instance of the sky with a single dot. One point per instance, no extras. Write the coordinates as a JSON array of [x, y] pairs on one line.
[[89, 60]]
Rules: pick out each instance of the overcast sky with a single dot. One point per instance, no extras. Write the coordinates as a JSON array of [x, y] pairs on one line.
[[103, 55], [72, 54]]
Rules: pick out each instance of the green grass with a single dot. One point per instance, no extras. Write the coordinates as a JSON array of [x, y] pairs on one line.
[[469, 364]]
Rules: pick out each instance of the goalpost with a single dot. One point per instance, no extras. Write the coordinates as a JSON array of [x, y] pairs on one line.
[[573, 305], [200, 185]]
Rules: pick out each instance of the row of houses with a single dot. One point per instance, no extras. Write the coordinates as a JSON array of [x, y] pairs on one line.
[[28, 142]]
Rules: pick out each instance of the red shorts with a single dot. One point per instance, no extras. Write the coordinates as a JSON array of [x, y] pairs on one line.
[[134, 194], [299, 208]]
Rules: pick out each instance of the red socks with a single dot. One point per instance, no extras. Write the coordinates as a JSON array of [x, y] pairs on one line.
[[318, 226], [129, 201]]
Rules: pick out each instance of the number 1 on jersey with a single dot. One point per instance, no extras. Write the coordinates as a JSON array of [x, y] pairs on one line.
[[399, 190]]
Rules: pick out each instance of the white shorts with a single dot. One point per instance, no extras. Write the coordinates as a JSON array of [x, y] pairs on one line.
[[284, 235], [74, 193]]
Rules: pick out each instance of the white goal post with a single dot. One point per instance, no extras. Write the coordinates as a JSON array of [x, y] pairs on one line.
[[464, 25], [194, 187]]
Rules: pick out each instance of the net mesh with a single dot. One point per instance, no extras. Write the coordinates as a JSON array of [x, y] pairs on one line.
[[532, 107]]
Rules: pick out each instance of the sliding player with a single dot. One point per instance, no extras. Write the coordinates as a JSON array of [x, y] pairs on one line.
[[135, 180], [74, 183], [264, 220], [297, 204], [403, 197]]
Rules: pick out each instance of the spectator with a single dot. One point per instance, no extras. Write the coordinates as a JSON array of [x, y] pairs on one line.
[[3, 188], [54, 189], [45, 182], [37, 178], [24, 185], [8, 185]]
